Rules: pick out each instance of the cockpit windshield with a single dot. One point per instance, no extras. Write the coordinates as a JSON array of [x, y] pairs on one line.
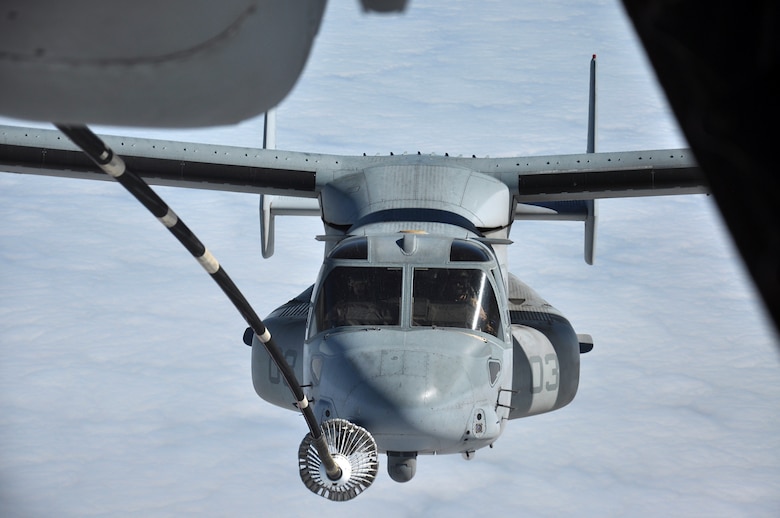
[[454, 297], [441, 297], [359, 296]]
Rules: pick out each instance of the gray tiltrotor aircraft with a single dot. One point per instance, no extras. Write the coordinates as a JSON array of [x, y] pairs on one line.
[[415, 338]]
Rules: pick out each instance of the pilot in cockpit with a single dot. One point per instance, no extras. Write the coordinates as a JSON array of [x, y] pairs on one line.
[[462, 289], [359, 306]]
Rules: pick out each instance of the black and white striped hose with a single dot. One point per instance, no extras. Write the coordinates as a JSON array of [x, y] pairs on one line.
[[114, 166]]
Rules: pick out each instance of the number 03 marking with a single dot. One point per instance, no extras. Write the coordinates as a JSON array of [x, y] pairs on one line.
[[544, 373]]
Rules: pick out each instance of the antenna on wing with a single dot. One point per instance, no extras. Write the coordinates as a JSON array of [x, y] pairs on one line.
[[590, 219]]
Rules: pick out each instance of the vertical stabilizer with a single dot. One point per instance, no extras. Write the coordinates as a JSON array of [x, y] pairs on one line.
[[590, 220], [272, 205], [592, 108], [269, 130], [266, 218]]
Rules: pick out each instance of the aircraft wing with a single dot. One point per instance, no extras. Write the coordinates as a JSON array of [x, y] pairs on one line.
[[533, 181], [591, 176], [159, 162]]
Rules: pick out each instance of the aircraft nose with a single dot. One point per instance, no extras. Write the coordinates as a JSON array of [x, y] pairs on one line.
[[425, 400], [411, 379]]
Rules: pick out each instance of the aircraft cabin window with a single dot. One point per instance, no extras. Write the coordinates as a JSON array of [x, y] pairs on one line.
[[359, 296], [354, 248], [454, 297], [461, 250]]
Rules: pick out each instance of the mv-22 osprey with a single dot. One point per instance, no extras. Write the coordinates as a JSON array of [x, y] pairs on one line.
[[414, 339]]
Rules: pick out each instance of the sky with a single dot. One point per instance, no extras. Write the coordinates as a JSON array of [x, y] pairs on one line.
[[125, 389]]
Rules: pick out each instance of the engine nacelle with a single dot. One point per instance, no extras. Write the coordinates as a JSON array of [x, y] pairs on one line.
[[287, 325], [546, 365]]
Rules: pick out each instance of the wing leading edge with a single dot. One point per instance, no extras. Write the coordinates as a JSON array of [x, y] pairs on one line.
[[531, 180], [159, 162]]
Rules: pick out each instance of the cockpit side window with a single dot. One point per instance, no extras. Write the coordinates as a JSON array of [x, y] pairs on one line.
[[359, 296], [454, 297]]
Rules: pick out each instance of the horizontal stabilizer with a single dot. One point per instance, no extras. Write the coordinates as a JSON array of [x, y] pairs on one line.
[[272, 206], [573, 210]]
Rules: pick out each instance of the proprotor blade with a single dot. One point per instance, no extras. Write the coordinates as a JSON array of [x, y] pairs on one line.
[[354, 450]]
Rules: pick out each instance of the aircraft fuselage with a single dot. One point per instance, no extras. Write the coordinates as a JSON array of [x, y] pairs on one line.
[[414, 331]]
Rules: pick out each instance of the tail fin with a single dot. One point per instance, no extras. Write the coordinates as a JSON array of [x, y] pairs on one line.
[[271, 205], [266, 219], [269, 130], [571, 210], [592, 108], [592, 211]]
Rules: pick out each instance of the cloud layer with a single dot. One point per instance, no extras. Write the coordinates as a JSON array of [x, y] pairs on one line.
[[125, 388]]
